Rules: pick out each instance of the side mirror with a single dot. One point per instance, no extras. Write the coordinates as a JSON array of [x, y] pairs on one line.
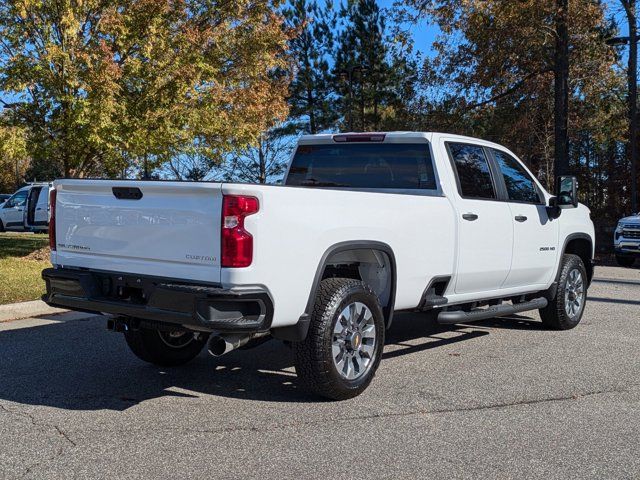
[[567, 192]]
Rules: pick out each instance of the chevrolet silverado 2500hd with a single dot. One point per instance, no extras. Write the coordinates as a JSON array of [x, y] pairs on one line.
[[626, 240], [364, 225]]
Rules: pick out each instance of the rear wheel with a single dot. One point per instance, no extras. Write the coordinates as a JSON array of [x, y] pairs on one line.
[[1, 226], [165, 348], [343, 348], [625, 261], [565, 310]]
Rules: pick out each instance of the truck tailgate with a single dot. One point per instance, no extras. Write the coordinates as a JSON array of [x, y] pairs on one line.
[[172, 229]]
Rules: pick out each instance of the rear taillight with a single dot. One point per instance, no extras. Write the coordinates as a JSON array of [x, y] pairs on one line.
[[52, 219], [237, 243]]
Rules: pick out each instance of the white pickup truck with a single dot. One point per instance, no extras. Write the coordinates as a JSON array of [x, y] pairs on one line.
[[364, 225]]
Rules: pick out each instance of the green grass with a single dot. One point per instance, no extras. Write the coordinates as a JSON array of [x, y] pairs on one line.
[[20, 278]]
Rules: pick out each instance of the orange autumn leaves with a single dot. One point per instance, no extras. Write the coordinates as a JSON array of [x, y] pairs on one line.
[[102, 84]]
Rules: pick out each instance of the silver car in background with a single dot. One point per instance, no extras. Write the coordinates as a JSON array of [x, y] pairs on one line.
[[626, 240]]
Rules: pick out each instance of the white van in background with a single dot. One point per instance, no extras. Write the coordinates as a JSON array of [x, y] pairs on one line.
[[27, 209], [12, 211]]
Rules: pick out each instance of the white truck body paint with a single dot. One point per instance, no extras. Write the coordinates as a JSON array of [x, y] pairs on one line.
[[174, 232]]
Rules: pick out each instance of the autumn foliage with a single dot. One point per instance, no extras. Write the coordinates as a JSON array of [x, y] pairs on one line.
[[103, 85]]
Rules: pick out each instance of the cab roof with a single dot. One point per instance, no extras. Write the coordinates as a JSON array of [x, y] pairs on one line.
[[387, 137]]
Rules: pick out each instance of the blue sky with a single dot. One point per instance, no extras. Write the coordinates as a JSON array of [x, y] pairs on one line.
[[424, 33]]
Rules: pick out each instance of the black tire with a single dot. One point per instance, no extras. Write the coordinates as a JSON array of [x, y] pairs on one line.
[[155, 346], [314, 361], [555, 315], [1, 226], [625, 261]]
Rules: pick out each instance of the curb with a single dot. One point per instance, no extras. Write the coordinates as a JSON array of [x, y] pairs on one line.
[[18, 311]]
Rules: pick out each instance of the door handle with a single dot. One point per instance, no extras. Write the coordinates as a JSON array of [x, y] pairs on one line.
[[470, 216], [521, 218]]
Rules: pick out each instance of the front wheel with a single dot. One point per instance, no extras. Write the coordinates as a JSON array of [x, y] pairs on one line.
[[565, 310], [165, 348], [343, 348], [624, 261]]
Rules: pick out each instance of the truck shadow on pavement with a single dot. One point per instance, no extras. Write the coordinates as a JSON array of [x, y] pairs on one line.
[[78, 365]]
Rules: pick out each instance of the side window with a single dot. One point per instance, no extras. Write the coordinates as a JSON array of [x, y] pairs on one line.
[[43, 197], [473, 170], [520, 185], [18, 200]]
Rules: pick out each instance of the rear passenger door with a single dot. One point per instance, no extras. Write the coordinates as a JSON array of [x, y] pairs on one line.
[[535, 241], [485, 233], [32, 202], [38, 207]]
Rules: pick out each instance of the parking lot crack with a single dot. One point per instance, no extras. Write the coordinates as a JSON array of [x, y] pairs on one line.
[[409, 413], [38, 424], [61, 450], [563, 398]]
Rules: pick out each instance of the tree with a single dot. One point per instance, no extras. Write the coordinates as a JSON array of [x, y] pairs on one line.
[[373, 86], [260, 162], [629, 7], [14, 159], [561, 88], [497, 59], [311, 91], [190, 166], [105, 84]]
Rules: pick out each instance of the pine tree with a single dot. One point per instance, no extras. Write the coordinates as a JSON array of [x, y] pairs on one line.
[[310, 99], [373, 85]]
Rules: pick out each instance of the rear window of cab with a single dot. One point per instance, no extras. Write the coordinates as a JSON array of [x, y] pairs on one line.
[[395, 166]]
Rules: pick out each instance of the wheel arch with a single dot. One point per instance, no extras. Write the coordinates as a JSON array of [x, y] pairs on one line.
[[335, 253], [580, 244], [358, 247]]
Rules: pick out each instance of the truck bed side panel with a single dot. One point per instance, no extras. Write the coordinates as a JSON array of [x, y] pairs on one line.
[[296, 226]]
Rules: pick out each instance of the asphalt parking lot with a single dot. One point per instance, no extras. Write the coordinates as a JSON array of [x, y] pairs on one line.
[[499, 399]]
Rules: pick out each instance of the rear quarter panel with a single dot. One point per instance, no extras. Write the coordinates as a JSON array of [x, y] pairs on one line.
[[296, 226]]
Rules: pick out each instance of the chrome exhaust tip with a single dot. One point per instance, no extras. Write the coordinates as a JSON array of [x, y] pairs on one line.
[[219, 345]]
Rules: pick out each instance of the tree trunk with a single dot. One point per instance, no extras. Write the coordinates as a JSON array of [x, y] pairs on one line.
[[311, 107], [363, 126], [612, 179], [263, 163], [632, 81], [561, 90]]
